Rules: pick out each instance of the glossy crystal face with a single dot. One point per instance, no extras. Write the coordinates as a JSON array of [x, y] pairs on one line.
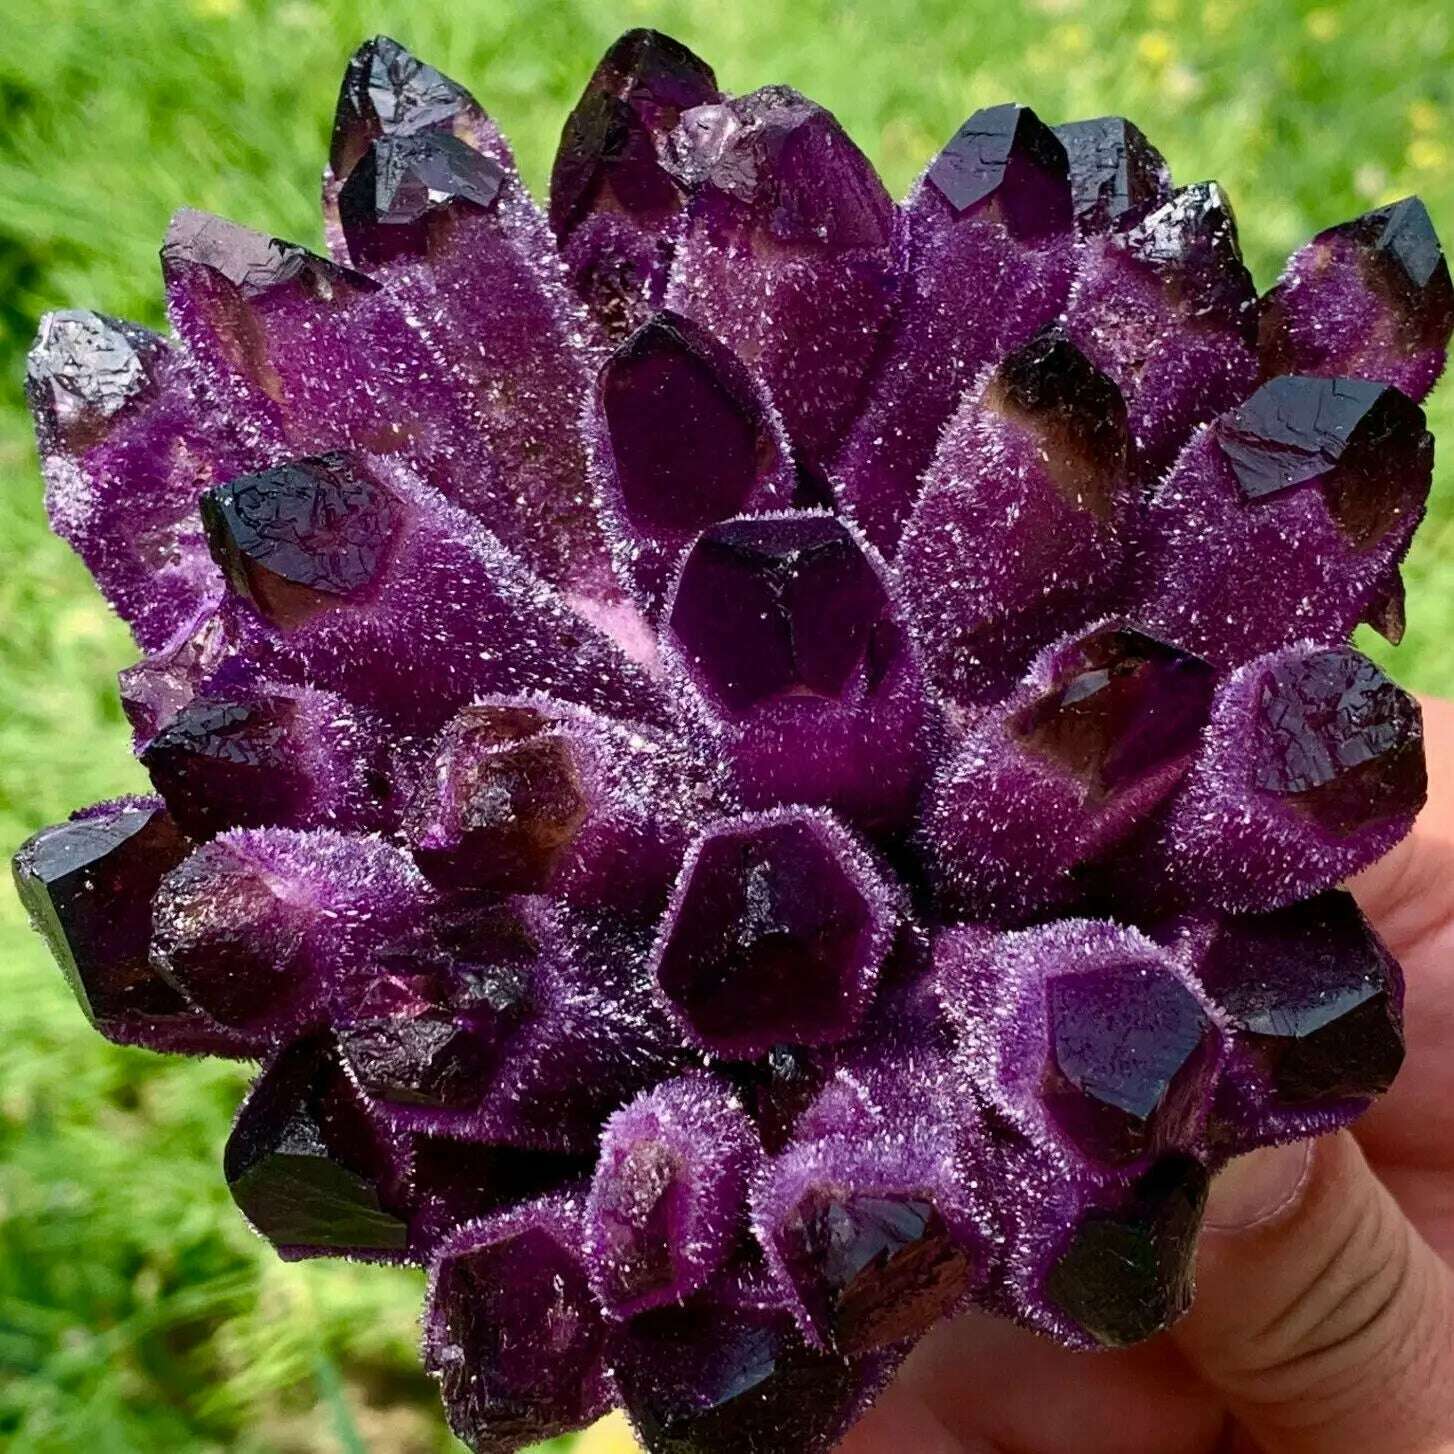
[[755, 764], [773, 941], [1339, 741], [778, 608], [296, 539], [1129, 1060], [873, 1269], [1123, 706]]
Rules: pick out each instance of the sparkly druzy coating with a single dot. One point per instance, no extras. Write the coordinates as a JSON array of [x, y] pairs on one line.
[[756, 766]]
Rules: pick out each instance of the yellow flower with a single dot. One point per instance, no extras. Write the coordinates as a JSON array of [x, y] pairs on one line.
[[611, 1436], [1427, 155], [1424, 116], [1155, 48]]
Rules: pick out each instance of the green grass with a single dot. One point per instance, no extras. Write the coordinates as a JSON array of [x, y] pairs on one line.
[[135, 1312]]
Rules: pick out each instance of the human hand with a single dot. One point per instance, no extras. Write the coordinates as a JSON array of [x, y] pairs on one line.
[[1324, 1319]]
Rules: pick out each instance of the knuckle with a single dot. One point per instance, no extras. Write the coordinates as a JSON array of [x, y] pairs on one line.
[[1331, 1341]]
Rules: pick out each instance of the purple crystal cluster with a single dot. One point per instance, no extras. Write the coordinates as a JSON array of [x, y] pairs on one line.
[[756, 765]]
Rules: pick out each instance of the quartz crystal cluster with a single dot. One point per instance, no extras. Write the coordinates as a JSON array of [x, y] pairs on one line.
[[755, 765]]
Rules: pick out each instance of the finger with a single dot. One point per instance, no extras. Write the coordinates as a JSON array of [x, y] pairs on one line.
[[994, 1386], [1409, 897], [901, 1423], [1322, 1316]]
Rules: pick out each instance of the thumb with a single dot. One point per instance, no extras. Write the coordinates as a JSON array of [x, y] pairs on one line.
[[1321, 1315]]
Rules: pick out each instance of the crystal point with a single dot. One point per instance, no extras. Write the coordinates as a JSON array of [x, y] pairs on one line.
[[1312, 768], [251, 263], [84, 369], [666, 1201], [511, 1330], [1116, 175], [1340, 740], [978, 284], [1050, 784], [387, 91], [300, 537], [711, 1377], [1371, 298], [775, 937], [1126, 1275], [402, 190], [1006, 153], [88, 887], [636, 95], [1315, 1003], [1350, 435], [1127, 1052], [310, 1167], [804, 606]]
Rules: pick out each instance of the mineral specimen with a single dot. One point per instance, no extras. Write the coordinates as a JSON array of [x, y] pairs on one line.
[[757, 766]]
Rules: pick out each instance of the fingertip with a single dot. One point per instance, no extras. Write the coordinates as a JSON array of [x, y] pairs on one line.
[[1259, 1187], [1322, 1316]]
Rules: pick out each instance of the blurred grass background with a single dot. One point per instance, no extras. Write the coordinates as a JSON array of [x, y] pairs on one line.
[[136, 1314]]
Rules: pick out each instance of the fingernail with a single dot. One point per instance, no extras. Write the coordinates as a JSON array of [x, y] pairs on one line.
[[1258, 1187]]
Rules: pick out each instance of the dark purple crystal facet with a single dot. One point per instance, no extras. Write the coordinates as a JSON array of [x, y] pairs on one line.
[[1125, 1275], [290, 757], [512, 1332], [880, 1268], [616, 199], [712, 1378], [251, 263], [299, 538], [387, 91], [1127, 1068], [1123, 705], [506, 801], [1351, 436], [1006, 153], [1311, 768], [434, 1033], [1116, 175], [1314, 1000], [775, 937], [778, 607], [784, 628], [88, 887], [310, 1167], [687, 432], [1049, 785], [401, 190], [1339, 741]]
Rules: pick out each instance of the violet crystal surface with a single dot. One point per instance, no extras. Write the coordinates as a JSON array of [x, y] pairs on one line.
[[757, 766]]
